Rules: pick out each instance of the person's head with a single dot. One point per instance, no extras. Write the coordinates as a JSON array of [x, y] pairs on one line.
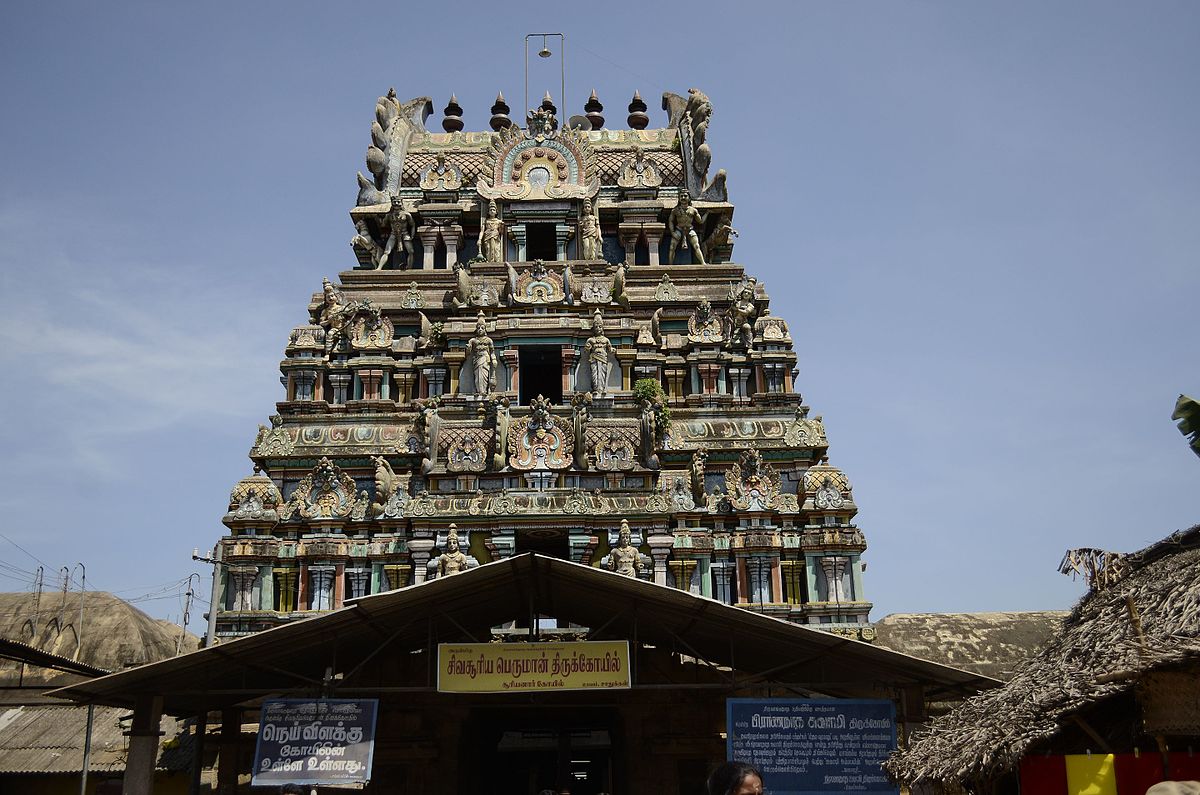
[[491, 209], [735, 778], [684, 199], [623, 534], [292, 789]]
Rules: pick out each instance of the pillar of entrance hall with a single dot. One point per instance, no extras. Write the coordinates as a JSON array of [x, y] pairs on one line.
[[227, 752], [143, 746]]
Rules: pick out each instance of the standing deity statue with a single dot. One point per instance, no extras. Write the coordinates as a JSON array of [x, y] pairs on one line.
[[334, 314], [452, 560], [481, 353], [503, 421], [625, 558], [742, 314], [401, 227], [682, 223], [599, 353], [591, 243], [491, 236], [582, 404], [699, 460]]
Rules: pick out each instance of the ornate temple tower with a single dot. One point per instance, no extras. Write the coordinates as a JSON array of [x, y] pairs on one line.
[[544, 346]]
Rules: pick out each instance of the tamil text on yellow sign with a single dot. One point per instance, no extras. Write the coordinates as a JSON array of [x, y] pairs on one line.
[[516, 667]]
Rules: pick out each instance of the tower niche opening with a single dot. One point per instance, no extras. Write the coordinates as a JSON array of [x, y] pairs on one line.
[[541, 373]]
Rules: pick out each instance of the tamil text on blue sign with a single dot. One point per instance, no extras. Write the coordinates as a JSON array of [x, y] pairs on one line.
[[810, 746], [318, 742]]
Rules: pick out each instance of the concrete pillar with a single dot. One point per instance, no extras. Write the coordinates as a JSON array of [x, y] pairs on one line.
[[562, 233], [429, 238], [420, 549], [452, 236], [660, 548], [517, 233], [143, 745]]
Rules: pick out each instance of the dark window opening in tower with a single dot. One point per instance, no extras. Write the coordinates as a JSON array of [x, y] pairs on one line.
[[540, 373], [540, 242], [641, 251]]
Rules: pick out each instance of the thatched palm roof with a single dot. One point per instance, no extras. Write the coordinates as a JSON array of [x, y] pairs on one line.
[[1096, 656]]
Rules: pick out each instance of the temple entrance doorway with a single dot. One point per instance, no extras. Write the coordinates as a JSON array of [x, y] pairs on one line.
[[527, 750], [540, 373]]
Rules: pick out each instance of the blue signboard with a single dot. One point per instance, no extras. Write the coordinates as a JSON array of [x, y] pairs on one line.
[[813, 746], [318, 742]]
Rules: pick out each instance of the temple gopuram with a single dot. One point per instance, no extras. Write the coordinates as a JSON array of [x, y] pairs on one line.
[[540, 509], [542, 342]]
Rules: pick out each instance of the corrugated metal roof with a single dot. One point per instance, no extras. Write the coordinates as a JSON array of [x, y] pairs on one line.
[[465, 607], [42, 739], [23, 652]]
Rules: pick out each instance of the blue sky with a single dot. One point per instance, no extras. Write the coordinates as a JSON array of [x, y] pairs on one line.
[[981, 220]]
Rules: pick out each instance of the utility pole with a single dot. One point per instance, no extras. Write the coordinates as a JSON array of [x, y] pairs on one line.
[[187, 612], [215, 560], [82, 589]]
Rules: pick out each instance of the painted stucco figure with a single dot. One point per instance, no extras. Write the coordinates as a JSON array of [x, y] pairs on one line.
[[599, 352], [682, 223]]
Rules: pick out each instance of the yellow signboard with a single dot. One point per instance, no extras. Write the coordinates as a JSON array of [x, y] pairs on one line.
[[532, 667]]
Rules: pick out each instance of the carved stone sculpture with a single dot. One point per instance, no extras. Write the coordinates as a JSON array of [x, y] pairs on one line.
[[618, 289], [481, 353], [682, 223], [441, 176], [432, 335], [538, 441], [742, 313], [704, 326], [503, 420], [385, 484], [581, 405], [719, 239], [625, 558], [599, 353], [699, 460], [364, 241], [690, 117], [427, 428], [335, 314], [452, 560], [391, 132], [462, 286], [491, 235], [639, 171], [666, 290], [591, 243], [650, 432], [401, 226]]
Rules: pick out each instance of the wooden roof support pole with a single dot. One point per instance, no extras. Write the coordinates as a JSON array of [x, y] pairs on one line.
[[1101, 743], [143, 746], [198, 754], [227, 751]]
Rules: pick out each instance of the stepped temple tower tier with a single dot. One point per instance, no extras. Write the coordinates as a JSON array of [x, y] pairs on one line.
[[541, 342]]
